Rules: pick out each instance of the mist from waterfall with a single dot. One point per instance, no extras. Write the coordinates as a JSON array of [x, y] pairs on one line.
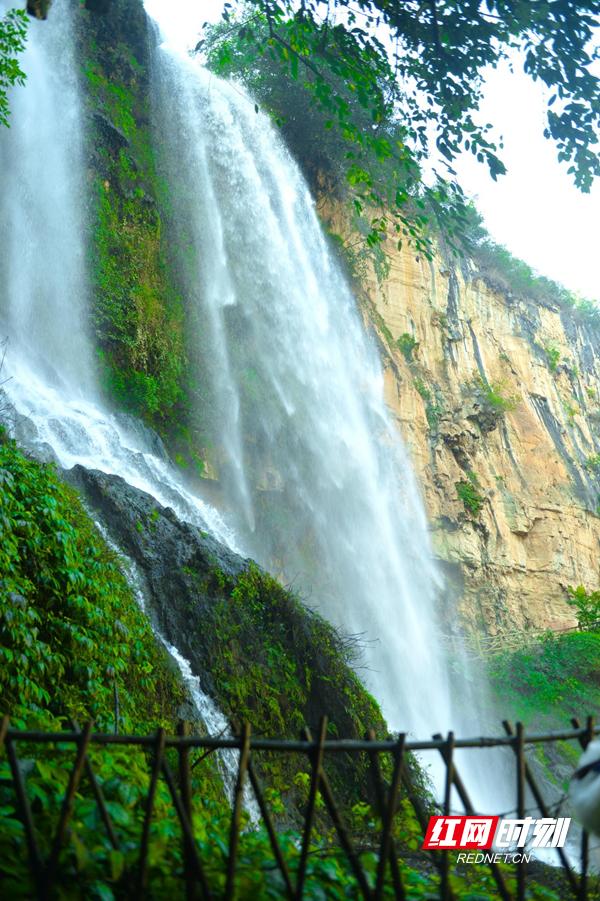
[[310, 463]]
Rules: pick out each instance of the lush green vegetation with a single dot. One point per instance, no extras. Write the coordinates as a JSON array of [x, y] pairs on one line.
[[553, 356], [592, 463], [495, 395], [433, 407], [587, 606], [138, 314], [67, 616], [407, 345], [337, 75], [70, 630], [548, 682], [13, 32], [469, 493]]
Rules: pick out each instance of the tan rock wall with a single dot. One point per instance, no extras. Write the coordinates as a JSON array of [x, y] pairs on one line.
[[538, 530]]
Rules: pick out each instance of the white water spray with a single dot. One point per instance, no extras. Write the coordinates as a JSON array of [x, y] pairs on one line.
[[311, 463], [206, 710]]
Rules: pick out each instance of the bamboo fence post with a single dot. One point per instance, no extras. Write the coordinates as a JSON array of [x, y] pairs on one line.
[[520, 752], [343, 833], [188, 833], [469, 809], [99, 797], [143, 861], [237, 811], [67, 805], [388, 816], [185, 786], [380, 798], [281, 862], [449, 760], [3, 729], [26, 818], [539, 800], [316, 757]]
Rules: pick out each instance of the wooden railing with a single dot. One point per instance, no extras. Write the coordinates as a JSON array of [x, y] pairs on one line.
[[476, 645], [386, 880]]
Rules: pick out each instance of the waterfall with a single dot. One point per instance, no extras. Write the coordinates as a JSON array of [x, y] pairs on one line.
[[44, 288], [310, 463]]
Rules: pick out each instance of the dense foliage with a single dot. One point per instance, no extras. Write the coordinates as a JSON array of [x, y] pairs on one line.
[[587, 606], [13, 31], [70, 629], [67, 616], [548, 682], [397, 80]]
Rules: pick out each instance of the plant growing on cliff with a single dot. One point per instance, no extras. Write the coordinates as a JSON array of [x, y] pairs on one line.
[[433, 409], [495, 396], [572, 410], [469, 493], [592, 464], [13, 32], [553, 356], [407, 345], [587, 607]]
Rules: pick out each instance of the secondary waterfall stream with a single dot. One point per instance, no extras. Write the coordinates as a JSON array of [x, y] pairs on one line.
[[315, 480]]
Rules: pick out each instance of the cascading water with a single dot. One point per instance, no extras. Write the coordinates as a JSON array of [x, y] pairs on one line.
[[44, 289], [311, 465]]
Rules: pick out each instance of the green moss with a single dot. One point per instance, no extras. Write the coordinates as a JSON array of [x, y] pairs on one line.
[[137, 310]]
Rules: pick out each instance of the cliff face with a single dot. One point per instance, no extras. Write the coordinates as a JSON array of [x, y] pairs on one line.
[[499, 401]]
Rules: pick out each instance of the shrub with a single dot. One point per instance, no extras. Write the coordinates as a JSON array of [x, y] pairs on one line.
[[407, 345], [433, 408], [587, 607], [494, 395], [553, 357], [592, 464], [468, 492], [572, 410]]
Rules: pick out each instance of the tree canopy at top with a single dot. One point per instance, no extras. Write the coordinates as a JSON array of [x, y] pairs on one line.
[[400, 77]]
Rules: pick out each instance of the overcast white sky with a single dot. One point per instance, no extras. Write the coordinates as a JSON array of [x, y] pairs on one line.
[[534, 210]]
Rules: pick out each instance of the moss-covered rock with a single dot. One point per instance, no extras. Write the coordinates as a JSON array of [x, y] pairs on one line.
[[137, 311], [257, 649]]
